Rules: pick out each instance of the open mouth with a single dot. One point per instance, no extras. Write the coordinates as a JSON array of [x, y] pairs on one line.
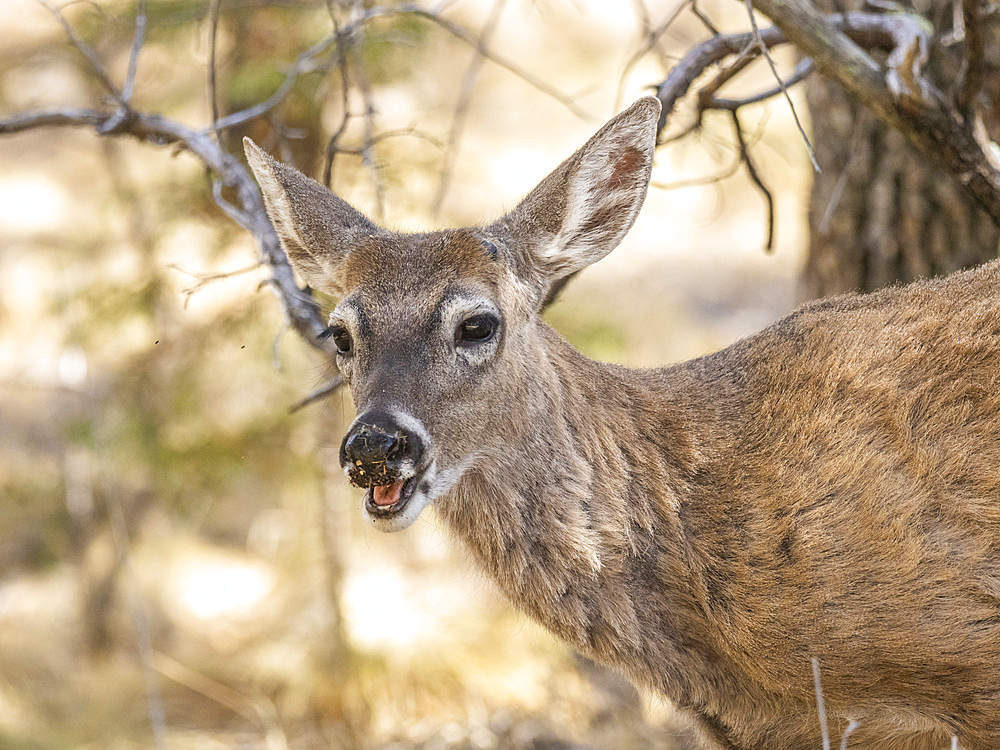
[[388, 499]]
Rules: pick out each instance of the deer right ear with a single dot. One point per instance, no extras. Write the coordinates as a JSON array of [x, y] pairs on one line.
[[317, 229], [583, 209]]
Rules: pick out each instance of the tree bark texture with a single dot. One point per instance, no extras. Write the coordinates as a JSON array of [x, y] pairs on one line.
[[880, 212]]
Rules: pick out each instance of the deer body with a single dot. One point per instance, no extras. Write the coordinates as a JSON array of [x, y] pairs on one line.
[[828, 488]]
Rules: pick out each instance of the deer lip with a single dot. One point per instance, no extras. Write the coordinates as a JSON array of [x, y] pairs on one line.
[[391, 498]]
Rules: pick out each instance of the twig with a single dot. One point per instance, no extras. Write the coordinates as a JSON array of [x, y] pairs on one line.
[[932, 129], [832, 42], [652, 36], [461, 112], [781, 85], [248, 212], [213, 95], [140, 621], [705, 20], [300, 66], [86, 50], [802, 71], [470, 39], [722, 174], [319, 394], [260, 710], [204, 279], [755, 176], [332, 144], [133, 59], [698, 60], [368, 156], [838, 188]]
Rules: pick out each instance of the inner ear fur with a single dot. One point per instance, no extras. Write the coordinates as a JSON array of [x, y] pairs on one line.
[[316, 228]]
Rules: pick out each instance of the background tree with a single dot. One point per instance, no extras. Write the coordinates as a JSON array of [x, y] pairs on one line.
[[880, 211]]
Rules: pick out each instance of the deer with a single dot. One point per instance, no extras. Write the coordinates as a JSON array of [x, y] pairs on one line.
[[826, 490]]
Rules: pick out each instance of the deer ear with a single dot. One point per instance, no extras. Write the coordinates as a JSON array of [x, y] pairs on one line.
[[317, 229], [583, 209]]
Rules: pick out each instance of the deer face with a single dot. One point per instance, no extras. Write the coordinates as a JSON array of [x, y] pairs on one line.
[[421, 332], [437, 334]]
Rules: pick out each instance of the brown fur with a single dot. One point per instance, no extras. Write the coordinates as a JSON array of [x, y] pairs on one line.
[[827, 488]]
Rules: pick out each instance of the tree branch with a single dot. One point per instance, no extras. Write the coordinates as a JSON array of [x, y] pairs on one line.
[[301, 308], [897, 94], [931, 127], [791, 106], [133, 59]]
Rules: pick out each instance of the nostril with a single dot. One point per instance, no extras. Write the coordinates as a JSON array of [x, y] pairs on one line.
[[398, 450]]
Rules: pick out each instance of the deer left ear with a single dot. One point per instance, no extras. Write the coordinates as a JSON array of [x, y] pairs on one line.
[[317, 229], [583, 209]]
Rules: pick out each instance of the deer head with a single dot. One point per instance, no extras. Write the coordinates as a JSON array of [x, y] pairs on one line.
[[438, 334]]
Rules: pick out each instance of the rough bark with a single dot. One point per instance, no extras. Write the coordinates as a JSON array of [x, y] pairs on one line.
[[881, 212]]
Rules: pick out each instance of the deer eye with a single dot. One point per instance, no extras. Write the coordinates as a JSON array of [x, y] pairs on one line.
[[476, 330], [341, 338]]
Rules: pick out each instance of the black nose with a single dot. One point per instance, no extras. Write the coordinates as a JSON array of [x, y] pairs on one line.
[[376, 451]]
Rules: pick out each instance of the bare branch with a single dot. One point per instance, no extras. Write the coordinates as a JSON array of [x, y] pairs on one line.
[[301, 65], [140, 623], [259, 710], [722, 174], [462, 106], [367, 150], [838, 188], [69, 117], [930, 126], [802, 71], [204, 279], [700, 59], [705, 20], [755, 176], [319, 394], [781, 85], [133, 60], [332, 145], [301, 308], [86, 50], [820, 704], [652, 35], [870, 29], [852, 725], [466, 36], [213, 96]]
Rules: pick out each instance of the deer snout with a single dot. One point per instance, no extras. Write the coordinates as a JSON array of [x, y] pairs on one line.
[[377, 451]]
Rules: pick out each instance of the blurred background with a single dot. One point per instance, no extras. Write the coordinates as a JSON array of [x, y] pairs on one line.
[[182, 564]]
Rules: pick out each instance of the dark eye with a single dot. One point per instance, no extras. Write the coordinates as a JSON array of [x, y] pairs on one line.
[[341, 338], [476, 330]]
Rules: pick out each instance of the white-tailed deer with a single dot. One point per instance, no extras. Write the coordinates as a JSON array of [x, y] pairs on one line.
[[828, 488]]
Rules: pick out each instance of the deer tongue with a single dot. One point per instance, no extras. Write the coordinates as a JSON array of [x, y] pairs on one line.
[[387, 494]]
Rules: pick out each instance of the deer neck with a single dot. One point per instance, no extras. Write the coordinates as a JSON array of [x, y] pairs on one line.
[[574, 509]]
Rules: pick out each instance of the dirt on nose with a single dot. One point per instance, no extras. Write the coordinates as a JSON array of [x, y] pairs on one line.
[[374, 474]]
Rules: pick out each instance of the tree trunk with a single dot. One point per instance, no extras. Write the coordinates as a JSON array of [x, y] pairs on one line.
[[879, 212]]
